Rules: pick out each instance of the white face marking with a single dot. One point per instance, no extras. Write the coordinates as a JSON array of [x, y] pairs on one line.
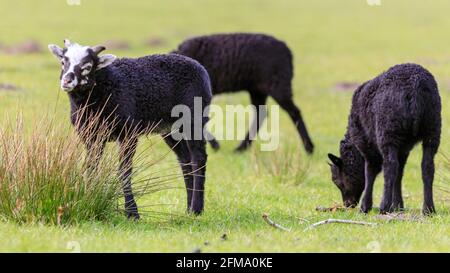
[[74, 72], [75, 54], [86, 69]]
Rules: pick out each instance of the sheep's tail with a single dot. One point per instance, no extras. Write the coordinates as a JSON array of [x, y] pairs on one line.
[[423, 87], [416, 108], [205, 85], [206, 80]]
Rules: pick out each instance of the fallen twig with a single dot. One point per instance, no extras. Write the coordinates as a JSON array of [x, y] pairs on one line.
[[339, 221], [303, 220], [332, 209], [272, 223], [399, 216]]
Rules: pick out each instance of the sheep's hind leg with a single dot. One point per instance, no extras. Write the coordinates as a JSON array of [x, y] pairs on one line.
[[184, 158], [390, 169], [289, 106], [212, 140], [127, 151], [429, 151], [259, 101], [397, 198], [197, 149]]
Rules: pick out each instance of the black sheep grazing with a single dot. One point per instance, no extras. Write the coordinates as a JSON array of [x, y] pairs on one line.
[[132, 95], [389, 115], [258, 63]]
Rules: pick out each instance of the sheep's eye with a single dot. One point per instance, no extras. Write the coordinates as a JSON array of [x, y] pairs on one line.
[[87, 66], [86, 69]]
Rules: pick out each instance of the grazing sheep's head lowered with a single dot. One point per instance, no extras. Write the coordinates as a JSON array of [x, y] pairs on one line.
[[347, 174], [79, 63]]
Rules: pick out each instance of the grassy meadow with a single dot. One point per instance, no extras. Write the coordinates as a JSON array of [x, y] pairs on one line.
[[335, 43]]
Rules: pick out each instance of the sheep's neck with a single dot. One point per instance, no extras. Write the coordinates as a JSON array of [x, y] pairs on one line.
[[90, 98]]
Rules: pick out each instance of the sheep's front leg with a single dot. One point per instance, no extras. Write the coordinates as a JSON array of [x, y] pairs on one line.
[[197, 149], [94, 154], [390, 168], [127, 151], [371, 172]]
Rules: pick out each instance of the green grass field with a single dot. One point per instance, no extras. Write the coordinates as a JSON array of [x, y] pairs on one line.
[[333, 41]]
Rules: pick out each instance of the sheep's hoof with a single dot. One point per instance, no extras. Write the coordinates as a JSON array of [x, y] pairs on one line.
[[242, 147], [365, 210], [385, 210], [398, 207], [309, 147], [133, 215], [366, 205], [428, 211], [215, 145], [195, 212], [195, 208]]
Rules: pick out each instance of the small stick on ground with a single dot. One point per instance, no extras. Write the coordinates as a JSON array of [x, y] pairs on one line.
[[59, 215], [332, 209], [303, 220], [339, 221], [272, 223], [400, 216]]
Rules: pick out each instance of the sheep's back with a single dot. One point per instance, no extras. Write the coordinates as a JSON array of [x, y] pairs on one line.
[[240, 61], [397, 104], [147, 88]]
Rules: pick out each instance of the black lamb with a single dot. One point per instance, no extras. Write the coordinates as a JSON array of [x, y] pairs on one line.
[[389, 115], [258, 63], [134, 95]]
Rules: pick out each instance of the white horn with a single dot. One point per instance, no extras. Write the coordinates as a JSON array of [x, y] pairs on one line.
[[67, 43]]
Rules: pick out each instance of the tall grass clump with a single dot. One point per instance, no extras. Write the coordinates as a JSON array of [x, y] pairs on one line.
[[444, 174], [46, 178], [284, 165]]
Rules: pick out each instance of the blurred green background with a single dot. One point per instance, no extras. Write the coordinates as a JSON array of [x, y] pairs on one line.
[[336, 44]]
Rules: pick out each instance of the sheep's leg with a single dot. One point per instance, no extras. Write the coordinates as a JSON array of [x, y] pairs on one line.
[[397, 198], [390, 168], [94, 154], [296, 116], [429, 151], [127, 151], [197, 151], [371, 172], [259, 101], [184, 158], [212, 140]]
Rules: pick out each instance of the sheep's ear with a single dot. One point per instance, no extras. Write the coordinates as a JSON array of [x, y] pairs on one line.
[[56, 50], [336, 160], [98, 49], [105, 60]]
